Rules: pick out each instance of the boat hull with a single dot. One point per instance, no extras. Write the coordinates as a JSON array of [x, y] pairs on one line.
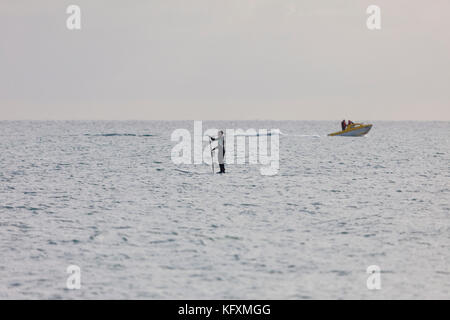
[[357, 131]]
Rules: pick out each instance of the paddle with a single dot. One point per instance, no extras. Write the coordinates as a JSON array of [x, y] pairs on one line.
[[212, 154]]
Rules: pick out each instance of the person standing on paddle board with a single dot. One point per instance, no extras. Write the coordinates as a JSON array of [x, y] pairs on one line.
[[221, 149]]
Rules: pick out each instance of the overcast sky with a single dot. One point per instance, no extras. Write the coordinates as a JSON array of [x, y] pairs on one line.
[[225, 59]]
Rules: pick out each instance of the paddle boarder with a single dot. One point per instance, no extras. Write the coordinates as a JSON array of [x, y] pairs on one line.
[[221, 150]]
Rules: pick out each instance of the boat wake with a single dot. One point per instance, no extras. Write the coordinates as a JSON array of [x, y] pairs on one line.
[[303, 135], [272, 132], [277, 132], [118, 135]]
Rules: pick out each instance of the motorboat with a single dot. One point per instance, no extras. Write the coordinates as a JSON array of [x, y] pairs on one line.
[[353, 130]]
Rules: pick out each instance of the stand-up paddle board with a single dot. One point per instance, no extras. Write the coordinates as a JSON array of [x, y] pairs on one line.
[[212, 155]]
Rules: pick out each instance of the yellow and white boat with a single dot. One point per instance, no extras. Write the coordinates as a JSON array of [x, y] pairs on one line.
[[353, 130]]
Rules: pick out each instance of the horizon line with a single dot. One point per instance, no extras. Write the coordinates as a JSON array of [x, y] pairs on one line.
[[241, 120]]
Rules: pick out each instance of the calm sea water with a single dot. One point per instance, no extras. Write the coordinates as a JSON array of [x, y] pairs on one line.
[[105, 196]]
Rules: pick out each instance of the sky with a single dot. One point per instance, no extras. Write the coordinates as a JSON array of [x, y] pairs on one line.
[[225, 59]]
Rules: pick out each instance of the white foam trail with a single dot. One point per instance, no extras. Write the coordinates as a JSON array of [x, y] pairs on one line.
[[269, 133], [304, 135]]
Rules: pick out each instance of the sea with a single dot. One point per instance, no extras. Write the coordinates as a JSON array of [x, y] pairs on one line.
[[342, 218]]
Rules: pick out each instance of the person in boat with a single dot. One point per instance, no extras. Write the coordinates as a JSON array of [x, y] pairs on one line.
[[350, 122], [221, 149], [343, 125]]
